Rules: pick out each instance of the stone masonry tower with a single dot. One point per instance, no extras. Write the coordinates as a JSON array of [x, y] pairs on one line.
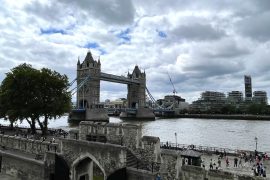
[[88, 96], [136, 96], [136, 92]]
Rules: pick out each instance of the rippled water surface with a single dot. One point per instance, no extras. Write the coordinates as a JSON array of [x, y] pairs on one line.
[[235, 134]]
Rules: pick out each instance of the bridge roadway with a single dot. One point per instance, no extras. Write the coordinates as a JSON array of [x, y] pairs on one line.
[[117, 79]]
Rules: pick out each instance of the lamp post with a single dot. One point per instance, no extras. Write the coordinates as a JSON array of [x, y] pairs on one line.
[[175, 139], [256, 141]]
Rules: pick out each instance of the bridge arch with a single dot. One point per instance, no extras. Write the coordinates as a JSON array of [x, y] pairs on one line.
[[81, 158]]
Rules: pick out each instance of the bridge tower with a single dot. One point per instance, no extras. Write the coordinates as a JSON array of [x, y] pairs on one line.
[[136, 92], [88, 96], [136, 96]]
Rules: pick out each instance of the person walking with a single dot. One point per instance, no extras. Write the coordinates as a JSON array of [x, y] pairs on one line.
[[227, 162], [211, 164], [240, 162], [235, 162], [219, 163]]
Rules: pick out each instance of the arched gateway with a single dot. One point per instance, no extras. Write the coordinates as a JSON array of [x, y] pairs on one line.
[[83, 168], [89, 76]]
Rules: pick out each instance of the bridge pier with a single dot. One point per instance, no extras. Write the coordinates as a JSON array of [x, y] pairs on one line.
[[141, 114]]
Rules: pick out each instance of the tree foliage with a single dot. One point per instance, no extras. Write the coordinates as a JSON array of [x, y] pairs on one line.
[[34, 95]]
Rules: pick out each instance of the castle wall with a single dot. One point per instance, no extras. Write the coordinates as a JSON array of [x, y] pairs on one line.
[[109, 157], [27, 145], [22, 168], [123, 134]]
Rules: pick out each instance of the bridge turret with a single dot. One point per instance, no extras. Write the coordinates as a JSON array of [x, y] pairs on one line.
[[136, 92], [88, 95]]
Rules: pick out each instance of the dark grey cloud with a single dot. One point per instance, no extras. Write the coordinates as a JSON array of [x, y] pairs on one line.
[[211, 69], [50, 11], [256, 27], [196, 32], [110, 11], [226, 48]]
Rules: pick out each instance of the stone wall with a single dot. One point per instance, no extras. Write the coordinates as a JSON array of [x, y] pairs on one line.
[[27, 145], [108, 157], [170, 164], [123, 134], [22, 168], [135, 174]]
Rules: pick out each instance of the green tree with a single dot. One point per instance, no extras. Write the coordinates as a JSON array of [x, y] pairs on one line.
[[34, 95]]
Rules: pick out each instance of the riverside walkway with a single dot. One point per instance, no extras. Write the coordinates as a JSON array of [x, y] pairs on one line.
[[211, 155]]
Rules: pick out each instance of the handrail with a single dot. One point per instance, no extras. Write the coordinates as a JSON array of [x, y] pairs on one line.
[[169, 145]]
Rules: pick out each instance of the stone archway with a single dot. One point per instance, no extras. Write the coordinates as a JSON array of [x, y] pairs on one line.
[[82, 167]]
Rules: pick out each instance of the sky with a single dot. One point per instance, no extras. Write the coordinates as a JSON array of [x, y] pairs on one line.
[[202, 44]]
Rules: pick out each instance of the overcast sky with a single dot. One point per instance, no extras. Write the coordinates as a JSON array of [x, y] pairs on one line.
[[204, 44]]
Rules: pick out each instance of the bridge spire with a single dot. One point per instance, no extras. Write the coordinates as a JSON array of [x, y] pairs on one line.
[[78, 63], [98, 59], [89, 57]]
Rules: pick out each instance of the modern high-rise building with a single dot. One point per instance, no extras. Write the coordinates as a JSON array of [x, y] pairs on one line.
[[248, 87], [260, 97], [235, 97]]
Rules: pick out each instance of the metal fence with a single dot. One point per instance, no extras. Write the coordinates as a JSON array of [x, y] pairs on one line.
[[206, 149]]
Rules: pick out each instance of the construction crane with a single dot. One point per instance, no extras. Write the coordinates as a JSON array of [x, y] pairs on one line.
[[174, 91]]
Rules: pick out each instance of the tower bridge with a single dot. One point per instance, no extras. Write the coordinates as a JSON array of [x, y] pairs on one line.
[[88, 106]]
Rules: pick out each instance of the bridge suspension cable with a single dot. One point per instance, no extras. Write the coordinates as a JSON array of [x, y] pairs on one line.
[[152, 99], [72, 82], [79, 86]]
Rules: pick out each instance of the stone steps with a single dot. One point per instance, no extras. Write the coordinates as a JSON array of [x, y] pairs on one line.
[[133, 161]]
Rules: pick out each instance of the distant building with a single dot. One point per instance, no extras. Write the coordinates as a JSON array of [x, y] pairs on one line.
[[116, 104], [173, 102], [248, 88], [210, 101], [235, 97], [260, 97], [213, 96]]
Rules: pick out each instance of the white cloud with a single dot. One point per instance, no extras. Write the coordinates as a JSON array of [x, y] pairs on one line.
[[203, 45]]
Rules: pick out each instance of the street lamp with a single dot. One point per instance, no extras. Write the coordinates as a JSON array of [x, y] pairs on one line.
[[256, 141], [175, 139]]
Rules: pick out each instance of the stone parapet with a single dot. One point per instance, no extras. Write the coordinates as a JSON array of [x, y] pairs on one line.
[[27, 145]]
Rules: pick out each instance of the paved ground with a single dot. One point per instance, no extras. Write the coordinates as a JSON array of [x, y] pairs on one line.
[[245, 169], [6, 177]]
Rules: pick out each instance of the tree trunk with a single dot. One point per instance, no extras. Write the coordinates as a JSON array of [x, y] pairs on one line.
[[44, 126], [32, 124], [11, 124]]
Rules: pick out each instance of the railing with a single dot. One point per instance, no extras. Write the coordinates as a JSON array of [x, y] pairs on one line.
[[207, 149], [24, 130]]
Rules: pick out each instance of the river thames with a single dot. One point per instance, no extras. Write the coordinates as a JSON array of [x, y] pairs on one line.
[[233, 134]]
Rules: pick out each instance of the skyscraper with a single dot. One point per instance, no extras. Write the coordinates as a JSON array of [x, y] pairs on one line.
[[248, 87]]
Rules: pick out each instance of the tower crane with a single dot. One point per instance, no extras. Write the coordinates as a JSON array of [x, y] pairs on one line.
[[174, 91]]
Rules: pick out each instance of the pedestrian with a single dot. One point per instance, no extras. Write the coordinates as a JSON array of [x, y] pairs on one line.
[[235, 162], [240, 162], [264, 173], [211, 164], [158, 177], [227, 162], [219, 163]]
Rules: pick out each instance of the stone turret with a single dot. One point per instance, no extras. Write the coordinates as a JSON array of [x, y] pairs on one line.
[[88, 95], [136, 92], [136, 96]]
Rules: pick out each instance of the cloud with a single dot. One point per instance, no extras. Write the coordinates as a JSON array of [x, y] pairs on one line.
[[111, 11], [204, 45], [256, 27], [196, 32]]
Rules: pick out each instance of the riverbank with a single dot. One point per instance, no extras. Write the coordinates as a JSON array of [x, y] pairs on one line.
[[225, 116]]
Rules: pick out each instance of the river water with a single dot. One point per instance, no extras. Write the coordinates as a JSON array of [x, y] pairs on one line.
[[233, 134]]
